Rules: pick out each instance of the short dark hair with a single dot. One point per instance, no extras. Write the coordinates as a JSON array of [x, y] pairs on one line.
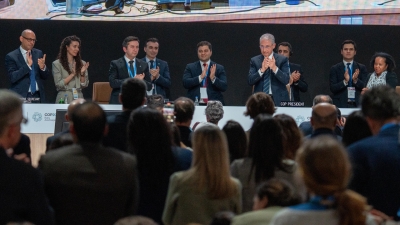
[[389, 60], [183, 109], [349, 42], [322, 98], [287, 44], [152, 40], [204, 43], [259, 103], [129, 39], [155, 101], [133, 91], [380, 103], [278, 191], [89, 121]]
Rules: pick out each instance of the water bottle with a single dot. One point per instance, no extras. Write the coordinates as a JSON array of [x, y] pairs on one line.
[[66, 99], [61, 101], [196, 101], [74, 6]]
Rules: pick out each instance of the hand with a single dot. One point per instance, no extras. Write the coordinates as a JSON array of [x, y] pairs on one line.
[[290, 80], [379, 216], [204, 73], [73, 69], [84, 68], [212, 72], [29, 60], [296, 76], [264, 65], [355, 75], [272, 64], [22, 157], [364, 90], [140, 76], [346, 76], [155, 73], [42, 62]]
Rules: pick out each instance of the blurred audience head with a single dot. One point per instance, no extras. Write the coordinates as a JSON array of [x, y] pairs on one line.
[[292, 135], [355, 129], [237, 139], [72, 105], [133, 93], [322, 98], [155, 102], [324, 115], [274, 192], [223, 218], [10, 118], [61, 141], [183, 110], [259, 103], [214, 111]]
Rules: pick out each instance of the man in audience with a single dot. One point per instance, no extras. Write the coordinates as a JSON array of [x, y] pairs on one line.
[[26, 68], [127, 66], [269, 72], [376, 159], [159, 70], [347, 78], [323, 120], [305, 126], [72, 105], [183, 111], [22, 196], [132, 96], [155, 102], [88, 183], [205, 79], [297, 82]]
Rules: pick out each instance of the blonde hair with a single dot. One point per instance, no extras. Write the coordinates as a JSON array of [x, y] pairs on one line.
[[210, 170], [325, 169]]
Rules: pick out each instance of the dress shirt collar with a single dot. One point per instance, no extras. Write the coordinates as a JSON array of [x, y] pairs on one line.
[[270, 56], [148, 60], [351, 63], [208, 64], [23, 52], [127, 60]]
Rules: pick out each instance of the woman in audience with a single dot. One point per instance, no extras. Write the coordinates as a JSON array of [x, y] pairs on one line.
[[383, 74], [292, 135], [271, 196], [237, 140], [259, 103], [150, 140], [265, 160], [70, 71], [325, 169], [355, 129], [194, 196]]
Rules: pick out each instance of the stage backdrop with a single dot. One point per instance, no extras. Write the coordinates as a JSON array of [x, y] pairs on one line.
[[315, 47]]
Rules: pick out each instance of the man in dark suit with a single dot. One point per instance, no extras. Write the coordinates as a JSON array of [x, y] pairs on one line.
[[323, 120], [132, 96], [127, 66], [26, 68], [206, 75], [269, 72], [86, 182], [183, 111], [296, 81], [22, 196], [306, 126], [159, 71], [347, 78], [376, 159]]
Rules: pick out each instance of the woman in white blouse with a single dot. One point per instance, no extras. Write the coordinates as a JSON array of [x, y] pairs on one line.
[[383, 74]]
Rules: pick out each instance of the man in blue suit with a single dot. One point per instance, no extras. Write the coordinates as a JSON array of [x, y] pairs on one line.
[[269, 72], [376, 159], [205, 74], [159, 71], [26, 68]]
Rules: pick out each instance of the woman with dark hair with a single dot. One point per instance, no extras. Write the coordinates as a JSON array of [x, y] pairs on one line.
[[155, 159], [237, 140], [266, 159], [292, 137], [383, 74], [324, 167], [69, 70], [355, 129]]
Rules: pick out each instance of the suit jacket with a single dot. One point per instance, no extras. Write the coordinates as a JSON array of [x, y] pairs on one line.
[[23, 146], [50, 139], [300, 85], [391, 79], [22, 196], [88, 183], [376, 170], [119, 72], [214, 90], [278, 80], [19, 73], [164, 80], [117, 131], [339, 89]]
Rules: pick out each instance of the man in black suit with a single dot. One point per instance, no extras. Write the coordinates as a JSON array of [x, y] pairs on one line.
[[183, 111], [26, 68], [297, 82], [86, 182], [205, 75], [127, 66], [132, 96], [323, 120], [22, 196], [347, 78], [159, 71]]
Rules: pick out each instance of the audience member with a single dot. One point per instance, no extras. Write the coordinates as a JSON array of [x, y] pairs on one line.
[[237, 140], [292, 136], [88, 183], [356, 128], [22, 196], [259, 103], [22, 151], [325, 169], [207, 188], [183, 111], [61, 141], [376, 159], [214, 113], [305, 126], [156, 102], [223, 218], [270, 197], [132, 96], [266, 159], [323, 120]]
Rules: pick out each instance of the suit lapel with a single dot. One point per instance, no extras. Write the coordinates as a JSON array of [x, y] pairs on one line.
[[139, 68], [20, 57], [123, 66]]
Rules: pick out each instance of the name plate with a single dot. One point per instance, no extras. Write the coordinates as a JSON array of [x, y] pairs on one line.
[[291, 104]]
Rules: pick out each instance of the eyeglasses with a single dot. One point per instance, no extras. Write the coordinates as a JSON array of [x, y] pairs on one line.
[[266, 46], [30, 39]]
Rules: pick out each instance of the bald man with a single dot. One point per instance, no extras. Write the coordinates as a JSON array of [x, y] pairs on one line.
[[26, 68], [323, 120], [305, 126], [71, 108]]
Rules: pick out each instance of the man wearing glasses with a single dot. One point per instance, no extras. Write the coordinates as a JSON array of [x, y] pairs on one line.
[[26, 68], [269, 72]]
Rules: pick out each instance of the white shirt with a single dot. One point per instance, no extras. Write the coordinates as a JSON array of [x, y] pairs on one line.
[[24, 52]]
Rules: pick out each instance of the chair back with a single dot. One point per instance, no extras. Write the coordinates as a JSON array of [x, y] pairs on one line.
[[101, 92]]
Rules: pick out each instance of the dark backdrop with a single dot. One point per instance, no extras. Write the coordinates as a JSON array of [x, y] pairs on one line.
[[316, 48]]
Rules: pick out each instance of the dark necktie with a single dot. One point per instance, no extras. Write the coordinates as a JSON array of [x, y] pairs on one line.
[[351, 75], [205, 82], [266, 81], [151, 64], [32, 76], [131, 68]]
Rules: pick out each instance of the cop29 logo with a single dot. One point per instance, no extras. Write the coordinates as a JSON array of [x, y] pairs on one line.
[[300, 119], [37, 117]]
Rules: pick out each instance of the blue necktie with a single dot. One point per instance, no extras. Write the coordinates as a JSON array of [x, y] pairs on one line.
[[266, 81], [151, 67], [131, 68], [33, 79], [351, 75]]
